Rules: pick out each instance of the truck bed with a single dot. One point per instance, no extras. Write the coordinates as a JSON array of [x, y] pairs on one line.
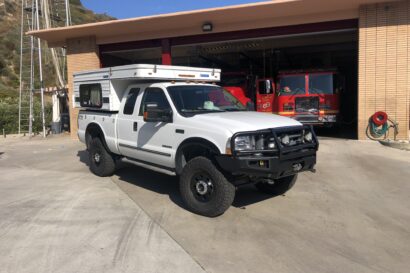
[[106, 120]]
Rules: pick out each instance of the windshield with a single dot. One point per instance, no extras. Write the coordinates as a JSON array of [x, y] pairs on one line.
[[292, 85], [197, 99], [321, 84]]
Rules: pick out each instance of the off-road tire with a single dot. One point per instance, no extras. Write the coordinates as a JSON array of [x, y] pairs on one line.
[[105, 165], [223, 192], [281, 185]]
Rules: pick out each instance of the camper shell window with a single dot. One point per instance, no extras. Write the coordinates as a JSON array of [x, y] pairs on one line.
[[91, 95]]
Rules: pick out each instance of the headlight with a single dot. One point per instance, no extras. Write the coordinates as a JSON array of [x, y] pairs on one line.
[[285, 140], [244, 143], [308, 137], [257, 142]]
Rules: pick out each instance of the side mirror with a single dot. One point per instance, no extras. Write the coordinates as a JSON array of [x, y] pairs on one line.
[[153, 113], [265, 87]]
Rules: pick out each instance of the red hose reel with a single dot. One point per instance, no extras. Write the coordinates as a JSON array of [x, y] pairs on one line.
[[380, 118]]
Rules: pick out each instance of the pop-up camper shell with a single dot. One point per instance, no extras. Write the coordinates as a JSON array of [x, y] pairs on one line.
[[103, 89]]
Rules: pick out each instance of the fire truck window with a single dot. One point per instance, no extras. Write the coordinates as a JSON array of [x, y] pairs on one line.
[[292, 85], [321, 84]]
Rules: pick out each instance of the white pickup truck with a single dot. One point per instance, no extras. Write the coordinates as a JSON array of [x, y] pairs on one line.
[[169, 120]]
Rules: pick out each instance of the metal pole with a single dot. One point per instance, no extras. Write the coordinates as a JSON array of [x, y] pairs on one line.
[[30, 126], [40, 62], [67, 13], [21, 61]]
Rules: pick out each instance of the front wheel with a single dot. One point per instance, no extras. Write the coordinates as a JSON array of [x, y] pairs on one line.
[[279, 186], [204, 189], [101, 161]]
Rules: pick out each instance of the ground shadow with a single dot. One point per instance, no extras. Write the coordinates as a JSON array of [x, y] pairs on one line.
[[150, 180], [168, 185], [249, 195], [346, 131], [83, 156]]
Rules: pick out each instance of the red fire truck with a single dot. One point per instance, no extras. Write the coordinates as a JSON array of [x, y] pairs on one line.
[[310, 96], [238, 84]]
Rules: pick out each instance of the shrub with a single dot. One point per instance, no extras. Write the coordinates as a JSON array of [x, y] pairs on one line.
[[9, 111]]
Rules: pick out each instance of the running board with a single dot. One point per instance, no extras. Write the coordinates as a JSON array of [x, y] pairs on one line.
[[149, 166]]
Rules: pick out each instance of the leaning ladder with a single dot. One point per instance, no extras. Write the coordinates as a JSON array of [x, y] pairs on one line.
[[29, 46]]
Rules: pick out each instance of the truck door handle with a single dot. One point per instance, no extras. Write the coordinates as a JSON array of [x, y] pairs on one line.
[[135, 126]]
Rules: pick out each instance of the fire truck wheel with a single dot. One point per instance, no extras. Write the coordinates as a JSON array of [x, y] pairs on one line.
[[279, 187]]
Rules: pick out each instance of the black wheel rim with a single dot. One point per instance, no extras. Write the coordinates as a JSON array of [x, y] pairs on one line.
[[202, 187]]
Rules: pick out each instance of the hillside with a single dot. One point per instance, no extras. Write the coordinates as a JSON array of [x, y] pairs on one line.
[[10, 41]]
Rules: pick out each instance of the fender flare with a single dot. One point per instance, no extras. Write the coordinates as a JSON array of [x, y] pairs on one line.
[[94, 130], [193, 141]]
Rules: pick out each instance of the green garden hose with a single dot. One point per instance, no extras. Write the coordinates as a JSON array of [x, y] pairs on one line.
[[378, 131]]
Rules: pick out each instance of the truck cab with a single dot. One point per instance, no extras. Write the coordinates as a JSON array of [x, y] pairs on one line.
[[168, 120], [240, 85]]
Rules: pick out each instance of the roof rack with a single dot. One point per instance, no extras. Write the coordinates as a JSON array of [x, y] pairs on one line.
[[151, 72]]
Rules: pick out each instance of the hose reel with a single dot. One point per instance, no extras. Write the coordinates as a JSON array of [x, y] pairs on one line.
[[379, 125]]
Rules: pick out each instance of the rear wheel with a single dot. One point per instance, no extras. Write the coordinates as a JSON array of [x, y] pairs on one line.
[[204, 189], [280, 186], [101, 161]]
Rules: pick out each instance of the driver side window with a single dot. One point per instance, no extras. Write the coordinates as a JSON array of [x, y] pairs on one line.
[[154, 95]]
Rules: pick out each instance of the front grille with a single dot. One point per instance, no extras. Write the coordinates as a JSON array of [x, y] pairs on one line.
[[308, 105], [291, 138], [288, 140]]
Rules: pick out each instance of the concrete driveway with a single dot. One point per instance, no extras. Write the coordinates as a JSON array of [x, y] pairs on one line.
[[353, 215]]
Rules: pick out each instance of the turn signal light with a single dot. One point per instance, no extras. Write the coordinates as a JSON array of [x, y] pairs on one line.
[[288, 107]]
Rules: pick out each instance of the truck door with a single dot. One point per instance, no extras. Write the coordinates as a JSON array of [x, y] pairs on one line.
[[127, 126], [155, 141], [265, 93]]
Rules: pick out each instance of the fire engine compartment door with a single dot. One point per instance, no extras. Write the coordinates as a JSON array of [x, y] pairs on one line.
[[265, 94]]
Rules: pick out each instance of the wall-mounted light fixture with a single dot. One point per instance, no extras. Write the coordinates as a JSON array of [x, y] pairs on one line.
[[207, 27]]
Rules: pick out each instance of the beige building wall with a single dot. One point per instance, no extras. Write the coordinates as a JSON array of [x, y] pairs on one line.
[[82, 54], [384, 64]]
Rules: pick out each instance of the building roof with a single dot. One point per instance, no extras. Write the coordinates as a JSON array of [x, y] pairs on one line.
[[248, 16]]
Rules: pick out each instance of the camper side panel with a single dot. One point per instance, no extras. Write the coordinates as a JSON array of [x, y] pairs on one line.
[[93, 95]]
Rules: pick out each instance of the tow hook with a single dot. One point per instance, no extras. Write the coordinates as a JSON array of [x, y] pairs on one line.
[[266, 181]]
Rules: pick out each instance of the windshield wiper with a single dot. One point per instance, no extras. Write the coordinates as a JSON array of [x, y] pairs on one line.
[[234, 109], [201, 110]]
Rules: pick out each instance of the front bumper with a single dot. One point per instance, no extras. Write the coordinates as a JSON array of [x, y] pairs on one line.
[[268, 167], [316, 119], [285, 161]]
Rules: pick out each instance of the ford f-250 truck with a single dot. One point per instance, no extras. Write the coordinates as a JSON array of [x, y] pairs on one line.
[[169, 120]]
